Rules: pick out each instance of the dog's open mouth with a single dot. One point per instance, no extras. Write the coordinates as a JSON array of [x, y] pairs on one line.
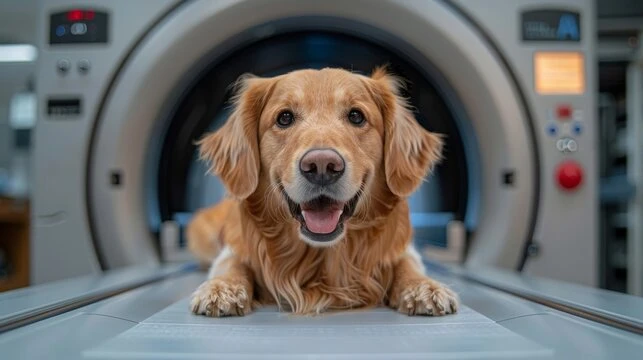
[[322, 219]]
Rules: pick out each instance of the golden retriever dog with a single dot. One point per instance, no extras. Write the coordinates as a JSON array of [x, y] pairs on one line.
[[318, 165]]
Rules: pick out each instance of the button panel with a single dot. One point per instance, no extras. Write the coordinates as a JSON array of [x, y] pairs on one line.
[[78, 26], [565, 125]]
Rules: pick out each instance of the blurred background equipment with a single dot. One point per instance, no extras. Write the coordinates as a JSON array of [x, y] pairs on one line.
[[125, 88], [620, 125]]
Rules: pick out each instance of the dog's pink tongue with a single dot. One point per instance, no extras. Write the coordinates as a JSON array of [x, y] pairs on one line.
[[322, 221]]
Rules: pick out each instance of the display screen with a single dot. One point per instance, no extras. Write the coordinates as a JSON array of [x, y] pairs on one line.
[[559, 73], [78, 26]]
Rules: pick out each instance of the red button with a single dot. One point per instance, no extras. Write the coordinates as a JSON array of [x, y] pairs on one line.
[[569, 175], [564, 112]]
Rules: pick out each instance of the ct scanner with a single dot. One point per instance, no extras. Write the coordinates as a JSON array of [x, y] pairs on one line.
[[122, 104], [125, 87]]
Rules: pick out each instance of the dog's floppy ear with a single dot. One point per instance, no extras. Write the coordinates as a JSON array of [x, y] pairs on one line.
[[233, 150], [410, 151]]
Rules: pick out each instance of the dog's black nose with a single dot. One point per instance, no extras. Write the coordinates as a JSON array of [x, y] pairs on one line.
[[322, 166]]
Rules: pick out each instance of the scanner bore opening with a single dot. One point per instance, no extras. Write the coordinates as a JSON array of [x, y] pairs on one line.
[[183, 187]]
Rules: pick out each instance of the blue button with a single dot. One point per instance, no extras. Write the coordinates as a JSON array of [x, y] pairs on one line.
[[60, 30], [577, 128], [552, 129]]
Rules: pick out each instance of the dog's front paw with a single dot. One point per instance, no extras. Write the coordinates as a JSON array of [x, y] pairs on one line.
[[426, 297], [217, 298]]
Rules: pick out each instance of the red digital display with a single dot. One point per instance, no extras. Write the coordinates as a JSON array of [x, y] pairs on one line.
[[77, 15], [78, 25]]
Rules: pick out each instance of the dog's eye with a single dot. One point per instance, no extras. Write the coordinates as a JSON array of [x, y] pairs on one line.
[[285, 119], [356, 117]]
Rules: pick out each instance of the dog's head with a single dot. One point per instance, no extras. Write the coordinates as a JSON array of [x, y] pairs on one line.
[[319, 141]]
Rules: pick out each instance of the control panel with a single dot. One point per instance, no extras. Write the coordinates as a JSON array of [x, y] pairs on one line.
[[565, 125], [78, 26], [560, 71], [74, 27]]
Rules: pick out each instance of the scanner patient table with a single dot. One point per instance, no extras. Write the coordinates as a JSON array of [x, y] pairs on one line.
[[143, 313]]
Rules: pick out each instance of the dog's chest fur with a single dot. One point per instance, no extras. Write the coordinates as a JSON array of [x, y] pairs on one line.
[[355, 273]]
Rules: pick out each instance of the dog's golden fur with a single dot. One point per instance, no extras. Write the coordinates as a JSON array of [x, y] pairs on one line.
[[259, 256]]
